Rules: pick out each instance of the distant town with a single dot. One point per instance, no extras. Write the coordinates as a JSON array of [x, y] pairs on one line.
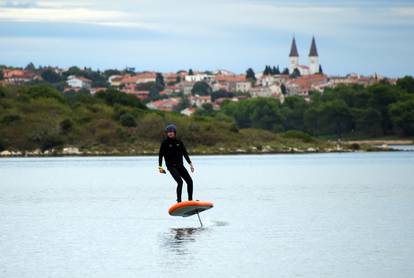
[[185, 91]]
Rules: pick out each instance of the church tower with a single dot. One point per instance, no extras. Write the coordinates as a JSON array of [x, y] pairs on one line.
[[293, 56], [313, 58]]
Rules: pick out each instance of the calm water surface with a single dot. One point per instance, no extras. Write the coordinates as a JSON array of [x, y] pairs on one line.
[[319, 215]]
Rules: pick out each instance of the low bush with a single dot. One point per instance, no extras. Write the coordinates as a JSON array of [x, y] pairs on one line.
[[297, 134]]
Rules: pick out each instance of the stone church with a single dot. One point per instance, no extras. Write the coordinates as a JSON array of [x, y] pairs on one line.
[[313, 59]]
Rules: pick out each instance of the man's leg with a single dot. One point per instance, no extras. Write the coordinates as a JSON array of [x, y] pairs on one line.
[[186, 176], [176, 175]]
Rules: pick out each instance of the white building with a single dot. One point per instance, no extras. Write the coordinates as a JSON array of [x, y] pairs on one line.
[[115, 80], [187, 87], [261, 92], [188, 111], [241, 86], [198, 77], [293, 57], [145, 77], [313, 59], [79, 82], [199, 100]]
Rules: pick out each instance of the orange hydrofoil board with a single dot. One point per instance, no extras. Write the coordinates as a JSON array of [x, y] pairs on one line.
[[189, 208]]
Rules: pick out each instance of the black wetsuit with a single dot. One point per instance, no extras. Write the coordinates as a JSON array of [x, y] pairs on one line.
[[173, 151]]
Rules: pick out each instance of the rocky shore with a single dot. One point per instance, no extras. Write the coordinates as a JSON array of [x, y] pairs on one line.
[[349, 146]]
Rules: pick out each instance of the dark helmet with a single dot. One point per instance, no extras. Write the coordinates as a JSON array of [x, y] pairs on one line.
[[171, 128]]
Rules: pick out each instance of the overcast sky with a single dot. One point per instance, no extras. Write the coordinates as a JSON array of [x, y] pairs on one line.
[[163, 35]]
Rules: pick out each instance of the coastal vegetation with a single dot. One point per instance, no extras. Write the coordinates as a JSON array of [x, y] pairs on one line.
[[341, 112], [40, 118]]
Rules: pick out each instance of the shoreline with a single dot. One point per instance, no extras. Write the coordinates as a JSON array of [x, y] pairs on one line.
[[334, 147], [381, 142], [119, 154]]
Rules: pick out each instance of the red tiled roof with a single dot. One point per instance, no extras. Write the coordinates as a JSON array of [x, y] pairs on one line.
[[170, 75], [230, 78], [165, 104], [16, 73], [173, 87], [138, 93], [135, 78], [129, 79], [165, 92], [83, 79], [145, 75], [306, 81]]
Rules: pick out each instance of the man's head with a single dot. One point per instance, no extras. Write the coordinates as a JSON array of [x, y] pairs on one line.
[[171, 130]]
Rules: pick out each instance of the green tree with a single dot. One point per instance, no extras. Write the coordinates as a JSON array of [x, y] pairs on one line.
[[154, 93], [331, 117], [240, 111], [312, 119], [190, 72], [49, 75], [98, 78], [382, 95], [367, 121], [406, 83], [3, 91], [159, 82], [184, 103], [66, 125], [112, 97], [127, 120], [109, 72], [42, 91], [221, 94], [145, 86], [205, 110], [295, 73], [201, 88], [402, 116], [267, 70], [283, 89], [336, 118], [261, 113], [293, 110], [73, 71], [320, 69], [250, 75], [266, 114], [30, 67]]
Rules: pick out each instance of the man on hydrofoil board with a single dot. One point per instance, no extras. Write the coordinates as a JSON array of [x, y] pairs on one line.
[[173, 151]]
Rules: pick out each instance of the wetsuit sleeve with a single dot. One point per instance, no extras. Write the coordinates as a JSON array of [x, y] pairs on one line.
[[185, 153], [161, 154]]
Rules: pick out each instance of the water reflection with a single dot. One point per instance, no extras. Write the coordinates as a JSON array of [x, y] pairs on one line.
[[177, 239]]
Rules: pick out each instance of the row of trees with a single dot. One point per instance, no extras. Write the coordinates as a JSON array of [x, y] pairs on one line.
[[377, 110], [41, 117]]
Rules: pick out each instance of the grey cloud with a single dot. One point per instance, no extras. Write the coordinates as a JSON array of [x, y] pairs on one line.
[[19, 4]]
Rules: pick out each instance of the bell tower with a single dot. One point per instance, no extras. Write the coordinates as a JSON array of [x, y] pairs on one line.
[[293, 57], [313, 58]]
